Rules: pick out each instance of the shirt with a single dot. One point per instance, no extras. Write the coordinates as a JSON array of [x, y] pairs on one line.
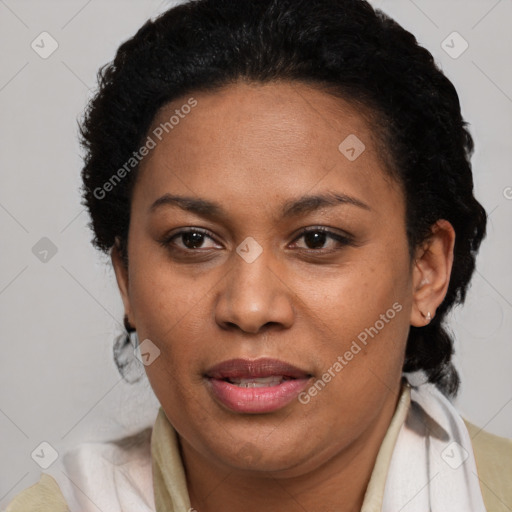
[[145, 473]]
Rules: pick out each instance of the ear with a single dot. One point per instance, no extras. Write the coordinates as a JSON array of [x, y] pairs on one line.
[[431, 272], [121, 271]]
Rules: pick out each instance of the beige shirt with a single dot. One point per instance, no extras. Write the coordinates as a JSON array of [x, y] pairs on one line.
[[169, 487]]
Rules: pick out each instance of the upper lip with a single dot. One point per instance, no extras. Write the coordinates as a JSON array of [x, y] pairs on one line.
[[254, 368]]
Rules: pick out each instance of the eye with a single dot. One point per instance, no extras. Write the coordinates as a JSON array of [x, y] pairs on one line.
[[315, 239], [188, 240]]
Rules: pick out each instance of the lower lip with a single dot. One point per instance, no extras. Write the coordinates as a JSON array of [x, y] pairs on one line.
[[256, 400]]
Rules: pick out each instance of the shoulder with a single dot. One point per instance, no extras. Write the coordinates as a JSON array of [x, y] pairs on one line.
[[113, 475], [493, 455], [44, 496]]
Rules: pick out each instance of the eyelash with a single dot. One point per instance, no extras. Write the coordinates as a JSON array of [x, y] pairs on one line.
[[343, 240]]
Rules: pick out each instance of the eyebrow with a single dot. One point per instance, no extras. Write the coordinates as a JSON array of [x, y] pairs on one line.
[[291, 208]]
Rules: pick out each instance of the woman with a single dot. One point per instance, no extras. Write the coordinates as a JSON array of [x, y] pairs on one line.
[[285, 190]]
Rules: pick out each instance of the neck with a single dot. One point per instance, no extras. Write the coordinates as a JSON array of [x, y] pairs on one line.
[[338, 483]]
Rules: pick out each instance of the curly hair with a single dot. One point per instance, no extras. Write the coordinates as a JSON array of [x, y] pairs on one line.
[[344, 47]]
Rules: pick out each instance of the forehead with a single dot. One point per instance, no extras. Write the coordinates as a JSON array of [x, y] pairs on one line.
[[257, 140]]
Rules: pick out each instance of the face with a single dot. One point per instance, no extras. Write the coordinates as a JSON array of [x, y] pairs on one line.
[[254, 236]]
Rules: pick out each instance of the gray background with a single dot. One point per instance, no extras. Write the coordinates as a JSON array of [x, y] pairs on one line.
[[58, 382]]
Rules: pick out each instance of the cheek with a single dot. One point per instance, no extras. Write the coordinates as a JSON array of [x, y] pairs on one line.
[[162, 295], [355, 297], [368, 323], [367, 312], [172, 312]]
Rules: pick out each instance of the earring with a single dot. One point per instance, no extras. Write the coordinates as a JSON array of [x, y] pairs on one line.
[[124, 354], [428, 317]]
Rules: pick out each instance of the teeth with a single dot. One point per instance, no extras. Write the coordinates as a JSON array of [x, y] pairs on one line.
[[258, 382]]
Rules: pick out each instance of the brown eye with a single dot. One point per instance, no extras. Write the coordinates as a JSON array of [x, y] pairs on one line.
[[192, 239], [315, 239], [188, 240]]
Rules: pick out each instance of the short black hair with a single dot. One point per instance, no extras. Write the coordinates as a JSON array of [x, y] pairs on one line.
[[343, 46]]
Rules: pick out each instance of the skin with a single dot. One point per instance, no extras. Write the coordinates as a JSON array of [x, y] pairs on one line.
[[251, 148]]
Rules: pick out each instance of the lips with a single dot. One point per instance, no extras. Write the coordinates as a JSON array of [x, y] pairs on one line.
[[255, 386]]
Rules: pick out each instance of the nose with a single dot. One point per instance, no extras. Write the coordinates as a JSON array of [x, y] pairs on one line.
[[254, 297]]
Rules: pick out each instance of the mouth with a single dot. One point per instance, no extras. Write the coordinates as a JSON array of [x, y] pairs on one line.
[[259, 382], [255, 386]]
